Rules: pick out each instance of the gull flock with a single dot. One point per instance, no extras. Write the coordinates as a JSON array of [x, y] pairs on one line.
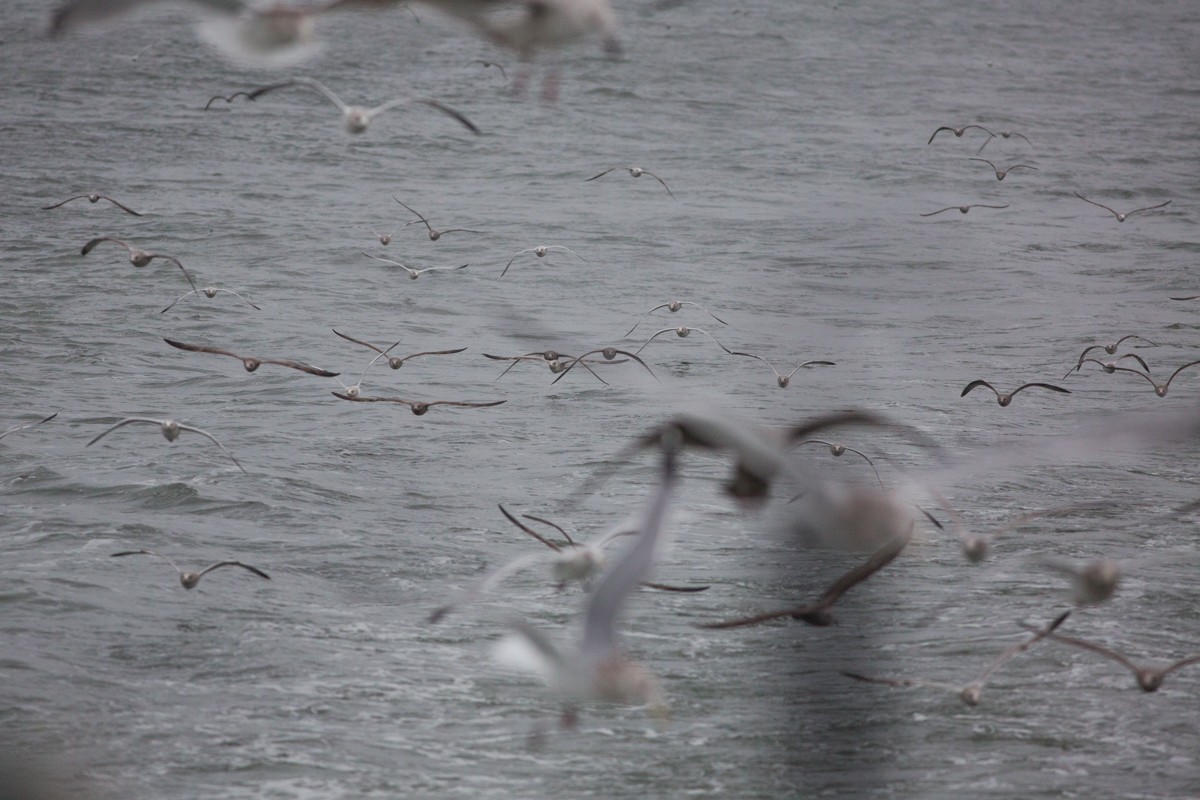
[[880, 515]]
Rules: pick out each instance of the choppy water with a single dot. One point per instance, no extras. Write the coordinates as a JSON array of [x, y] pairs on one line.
[[794, 137]]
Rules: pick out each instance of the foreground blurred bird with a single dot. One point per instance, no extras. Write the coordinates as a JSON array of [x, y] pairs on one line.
[[598, 669], [269, 35]]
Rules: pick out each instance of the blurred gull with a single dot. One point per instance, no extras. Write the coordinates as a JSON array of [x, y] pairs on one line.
[[598, 668], [170, 429]]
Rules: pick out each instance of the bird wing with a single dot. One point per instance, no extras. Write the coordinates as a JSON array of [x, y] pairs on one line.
[[63, 203], [1049, 386], [181, 297], [811, 364], [624, 576], [434, 353], [177, 263], [87, 248], [1181, 369], [1020, 647], [448, 111], [935, 213], [975, 384], [213, 439], [664, 184], [202, 348], [309, 83], [514, 258], [28, 425], [532, 532], [302, 366], [220, 564], [129, 210], [123, 423], [601, 175], [486, 583], [1095, 648], [146, 553], [1093, 202], [1148, 208], [878, 560], [465, 405]]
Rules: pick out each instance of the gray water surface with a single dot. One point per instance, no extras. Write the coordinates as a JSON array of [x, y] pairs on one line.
[[794, 137]]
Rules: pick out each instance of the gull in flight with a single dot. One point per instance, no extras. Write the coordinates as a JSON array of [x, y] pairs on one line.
[[1003, 135], [540, 251], [960, 131], [417, 407], [973, 691], [636, 172], [171, 430], [357, 118], [1000, 173], [1005, 399], [1109, 366], [1092, 583], [609, 353], [228, 98], [781, 379], [28, 425], [251, 363], [961, 209], [673, 306], [413, 273], [838, 450], [598, 667], [210, 292], [553, 360], [434, 233], [1148, 678], [1160, 389], [683, 331], [384, 238], [396, 362], [139, 258], [1122, 217], [578, 562], [818, 613], [976, 546], [190, 579], [93, 198]]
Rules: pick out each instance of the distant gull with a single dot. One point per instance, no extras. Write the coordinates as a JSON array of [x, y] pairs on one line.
[[1000, 173], [92, 198], [818, 613], [171, 430], [384, 238], [490, 64], [1121, 217], [540, 251], [973, 691], [414, 273], [396, 362], [962, 209], [417, 407], [837, 449], [251, 363], [190, 579], [975, 546], [357, 118], [673, 306], [960, 131], [1005, 399], [609, 353], [434, 234], [781, 379], [28, 425], [682, 331], [1002, 135], [552, 359], [636, 172], [139, 258], [1148, 678], [210, 292], [227, 98], [1109, 366]]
